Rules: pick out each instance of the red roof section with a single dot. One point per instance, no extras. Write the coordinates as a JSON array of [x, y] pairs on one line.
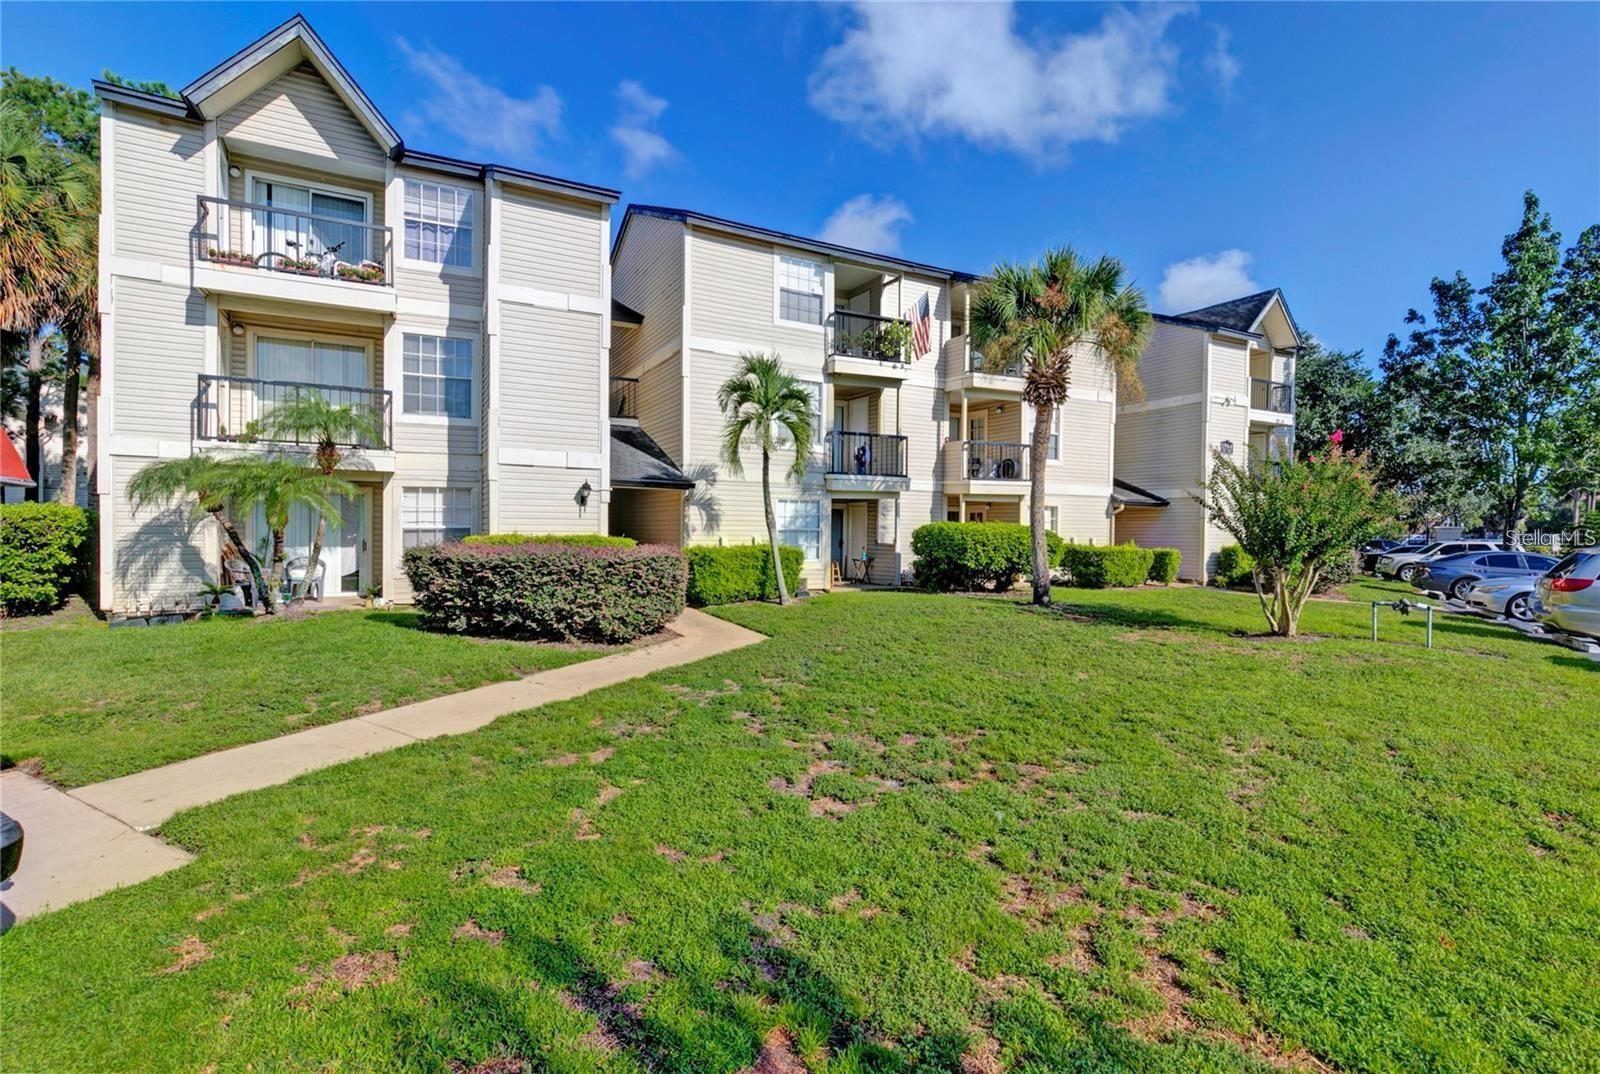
[[12, 471]]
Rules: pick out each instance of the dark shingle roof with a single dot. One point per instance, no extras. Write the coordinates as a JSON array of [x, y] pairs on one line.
[[1132, 495], [638, 461], [621, 314], [1238, 314]]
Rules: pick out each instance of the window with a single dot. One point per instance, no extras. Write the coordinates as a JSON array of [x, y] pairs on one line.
[[1054, 454], [306, 361], [1050, 519], [434, 515], [1503, 560], [799, 290], [303, 236], [813, 389], [438, 376], [438, 222], [800, 524]]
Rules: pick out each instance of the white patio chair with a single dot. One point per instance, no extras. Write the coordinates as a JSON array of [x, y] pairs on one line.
[[296, 570]]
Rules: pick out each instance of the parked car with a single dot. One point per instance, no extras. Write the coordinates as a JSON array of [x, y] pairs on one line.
[[10, 846], [1568, 597], [1369, 552], [1403, 565], [1451, 575], [1511, 597]]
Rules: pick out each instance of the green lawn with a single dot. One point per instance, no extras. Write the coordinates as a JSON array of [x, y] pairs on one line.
[[91, 703], [909, 832]]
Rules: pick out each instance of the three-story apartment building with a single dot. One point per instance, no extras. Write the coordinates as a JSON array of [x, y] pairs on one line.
[[912, 426], [270, 233], [1218, 379]]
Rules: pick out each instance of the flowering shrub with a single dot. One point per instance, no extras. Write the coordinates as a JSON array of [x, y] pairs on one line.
[[561, 592]]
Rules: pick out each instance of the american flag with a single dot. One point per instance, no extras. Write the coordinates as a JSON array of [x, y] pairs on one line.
[[921, 318]]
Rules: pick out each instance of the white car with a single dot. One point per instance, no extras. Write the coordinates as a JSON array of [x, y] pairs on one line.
[[1403, 565], [1510, 597]]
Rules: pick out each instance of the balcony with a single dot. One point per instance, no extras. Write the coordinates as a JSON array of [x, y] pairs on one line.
[[986, 466], [966, 372], [625, 398], [230, 410], [1273, 396], [268, 251], [866, 346], [867, 462]]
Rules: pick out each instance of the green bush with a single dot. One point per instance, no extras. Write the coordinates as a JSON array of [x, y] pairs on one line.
[[964, 556], [727, 574], [44, 554], [561, 592], [1337, 571], [588, 540], [1233, 566], [1096, 566], [1164, 567]]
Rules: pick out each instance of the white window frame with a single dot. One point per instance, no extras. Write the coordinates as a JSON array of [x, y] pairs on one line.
[[400, 414], [444, 509], [1052, 518], [818, 435], [781, 509], [374, 238], [1053, 448], [778, 258], [254, 334], [477, 201]]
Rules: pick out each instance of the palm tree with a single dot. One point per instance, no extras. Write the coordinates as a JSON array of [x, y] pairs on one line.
[[280, 485], [1039, 315], [217, 487], [758, 400], [307, 416]]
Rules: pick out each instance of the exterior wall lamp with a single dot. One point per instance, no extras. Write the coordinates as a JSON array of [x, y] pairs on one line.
[[585, 490]]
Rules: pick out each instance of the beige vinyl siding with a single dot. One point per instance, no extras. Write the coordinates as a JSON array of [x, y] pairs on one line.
[[239, 189], [659, 398], [924, 422], [1178, 525], [1085, 445], [648, 278], [1230, 369], [430, 434], [706, 419], [1084, 519], [1173, 364], [729, 511], [375, 550], [460, 288], [549, 379], [1161, 449], [732, 300], [299, 111], [158, 170], [160, 554], [160, 352], [648, 515], [542, 499], [549, 243]]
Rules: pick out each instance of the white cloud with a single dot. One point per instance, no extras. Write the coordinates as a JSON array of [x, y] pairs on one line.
[[868, 222], [643, 148], [1220, 63], [904, 71], [1202, 280], [456, 101]]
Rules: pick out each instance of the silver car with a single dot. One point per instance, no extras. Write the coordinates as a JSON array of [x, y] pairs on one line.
[[1403, 564], [1568, 598], [1510, 597]]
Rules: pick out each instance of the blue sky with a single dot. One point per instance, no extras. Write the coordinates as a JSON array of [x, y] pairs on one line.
[[1344, 152]]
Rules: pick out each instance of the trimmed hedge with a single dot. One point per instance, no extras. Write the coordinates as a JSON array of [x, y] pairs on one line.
[[1096, 566], [1164, 567], [44, 554], [1234, 566], [559, 592], [964, 556], [727, 574], [588, 540]]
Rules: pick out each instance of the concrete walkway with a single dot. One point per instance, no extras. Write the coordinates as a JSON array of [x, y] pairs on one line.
[[83, 842]]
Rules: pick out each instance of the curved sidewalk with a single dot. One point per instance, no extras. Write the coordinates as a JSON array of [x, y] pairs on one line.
[[83, 842]]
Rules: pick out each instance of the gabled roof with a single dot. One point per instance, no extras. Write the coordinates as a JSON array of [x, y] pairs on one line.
[[755, 231], [637, 461], [13, 471], [1241, 315]]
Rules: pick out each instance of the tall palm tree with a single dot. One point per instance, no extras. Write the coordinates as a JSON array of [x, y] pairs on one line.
[[280, 485], [217, 487], [1040, 315], [759, 400], [308, 417]]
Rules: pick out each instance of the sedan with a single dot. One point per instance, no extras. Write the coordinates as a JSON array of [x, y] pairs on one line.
[[1451, 575], [1402, 564], [1568, 598], [1510, 597]]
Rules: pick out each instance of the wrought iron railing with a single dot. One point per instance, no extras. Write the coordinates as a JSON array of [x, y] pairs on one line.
[[293, 241], [235, 409], [978, 364], [867, 454], [1271, 395], [866, 335], [992, 460], [624, 397]]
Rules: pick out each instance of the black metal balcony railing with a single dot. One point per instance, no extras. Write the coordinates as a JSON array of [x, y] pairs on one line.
[[992, 460], [275, 239], [625, 397], [977, 364], [867, 454], [234, 409], [866, 335], [1271, 395]]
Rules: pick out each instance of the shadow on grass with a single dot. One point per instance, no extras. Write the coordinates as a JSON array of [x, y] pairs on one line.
[[404, 620], [1119, 616]]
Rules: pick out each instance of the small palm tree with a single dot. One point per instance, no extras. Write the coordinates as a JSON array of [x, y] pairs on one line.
[[280, 485], [307, 416], [1037, 316], [217, 487], [757, 401]]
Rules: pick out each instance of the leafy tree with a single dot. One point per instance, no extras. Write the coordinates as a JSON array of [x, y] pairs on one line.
[[1041, 316], [757, 401], [217, 487], [307, 416], [1295, 520], [1333, 391]]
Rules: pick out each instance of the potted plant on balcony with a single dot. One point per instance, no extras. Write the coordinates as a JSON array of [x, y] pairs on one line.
[[303, 266], [890, 340], [366, 272], [230, 257]]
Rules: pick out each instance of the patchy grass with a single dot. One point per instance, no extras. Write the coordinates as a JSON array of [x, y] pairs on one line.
[[910, 832], [88, 703]]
